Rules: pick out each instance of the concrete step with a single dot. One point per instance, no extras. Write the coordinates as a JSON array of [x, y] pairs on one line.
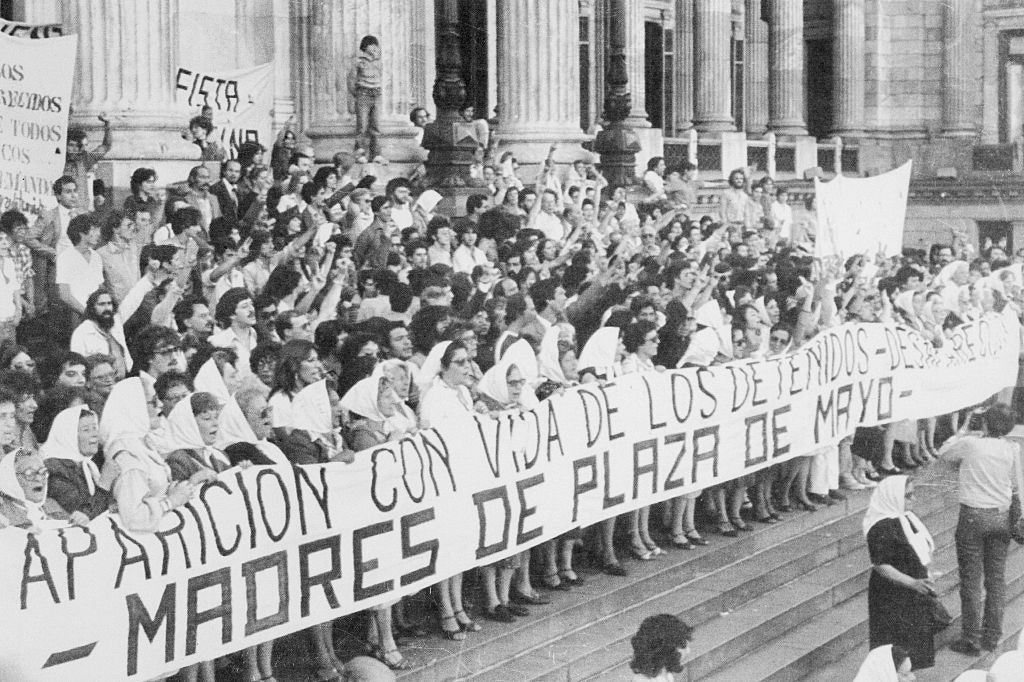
[[948, 664], [701, 584], [761, 638]]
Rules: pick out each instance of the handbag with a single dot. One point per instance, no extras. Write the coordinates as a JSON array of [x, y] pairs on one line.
[[939, 617]]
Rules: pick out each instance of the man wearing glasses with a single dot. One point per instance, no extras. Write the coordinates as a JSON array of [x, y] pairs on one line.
[[157, 351]]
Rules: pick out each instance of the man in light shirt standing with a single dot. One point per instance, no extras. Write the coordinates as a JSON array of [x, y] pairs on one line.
[[989, 473], [80, 268], [48, 237]]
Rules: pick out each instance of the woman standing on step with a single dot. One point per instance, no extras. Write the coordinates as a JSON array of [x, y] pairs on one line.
[[899, 588], [886, 664]]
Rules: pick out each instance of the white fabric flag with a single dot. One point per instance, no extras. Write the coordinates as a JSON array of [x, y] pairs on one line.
[[862, 215], [242, 101], [35, 93]]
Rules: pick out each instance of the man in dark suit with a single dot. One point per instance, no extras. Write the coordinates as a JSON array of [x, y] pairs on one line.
[[48, 236], [227, 191]]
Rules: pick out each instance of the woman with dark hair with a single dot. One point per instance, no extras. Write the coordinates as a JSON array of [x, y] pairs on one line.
[[13, 356], [298, 366], [25, 389], [427, 328], [284, 286], [329, 337], [659, 647], [144, 197], [439, 233]]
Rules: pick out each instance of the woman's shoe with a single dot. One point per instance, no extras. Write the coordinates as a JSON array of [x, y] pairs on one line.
[[680, 541], [614, 568], [531, 599], [696, 540], [466, 624], [570, 577], [409, 631], [895, 471], [641, 554], [499, 613], [455, 633], [517, 610], [738, 524], [389, 659], [655, 550], [727, 529], [767, 518], [807, 506], [553, 582]]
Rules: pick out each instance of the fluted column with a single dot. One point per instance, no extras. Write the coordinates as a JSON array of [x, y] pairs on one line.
[[538, 74], [127, 60], [712, 101], [958, 74], [635, 62], [284, 101], [755, 69], [684, 65], [786, 67], [848, 67]]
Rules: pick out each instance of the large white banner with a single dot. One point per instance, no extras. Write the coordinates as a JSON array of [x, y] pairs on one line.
[[862, 215], [19, 30], [242, 101], [35, 93], [267, 551]]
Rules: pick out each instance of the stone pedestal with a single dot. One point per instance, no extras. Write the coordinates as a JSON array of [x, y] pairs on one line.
[[712, 100], [786, 67], [538, 82], [848, 68]]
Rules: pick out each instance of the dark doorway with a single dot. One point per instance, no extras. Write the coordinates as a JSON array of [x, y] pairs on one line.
[[818, 68], [654, 71], [473, 45], [997, 231]]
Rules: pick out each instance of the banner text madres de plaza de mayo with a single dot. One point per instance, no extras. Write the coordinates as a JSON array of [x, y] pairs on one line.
[[267, 551]]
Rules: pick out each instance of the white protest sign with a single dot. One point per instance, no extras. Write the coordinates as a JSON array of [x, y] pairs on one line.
[[35, 92], [19, 30], [267, 551], [862, 215], [242, 101]]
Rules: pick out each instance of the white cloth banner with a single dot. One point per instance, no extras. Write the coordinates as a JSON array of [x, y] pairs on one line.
[[35, 93], [862, 215], [242, 102], [19, 30], [270, 550]]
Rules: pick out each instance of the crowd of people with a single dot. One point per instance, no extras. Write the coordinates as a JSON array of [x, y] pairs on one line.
[[270, 310]]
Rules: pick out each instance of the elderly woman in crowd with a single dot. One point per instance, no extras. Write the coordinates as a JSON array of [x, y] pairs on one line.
[[23, 494], [75, 480]]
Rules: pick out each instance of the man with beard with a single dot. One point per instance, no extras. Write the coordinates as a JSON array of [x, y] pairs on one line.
[[226, 190], [102, 331], [199, 197]]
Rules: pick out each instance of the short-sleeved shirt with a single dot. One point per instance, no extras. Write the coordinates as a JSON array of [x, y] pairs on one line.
[[82, 274], [988, 470]]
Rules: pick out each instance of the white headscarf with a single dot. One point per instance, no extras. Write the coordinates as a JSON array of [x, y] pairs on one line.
[[125, 421], [311, 410], [363, 396], [233, 426], [1007, 667], [185, 434], [62, 443], [601, 350], [548, 357], [888, 502], [405, 419], [431, 367], [494, 383], [703, 348], [878, 666]]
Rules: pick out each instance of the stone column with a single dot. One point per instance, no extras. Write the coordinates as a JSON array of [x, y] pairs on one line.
[[755, 68], [538, 75], [284, 102], [786, 67], [684, 65], [848, 67], [37, 11], [958, 76], [635, 63], [712, 100], [127, 57]]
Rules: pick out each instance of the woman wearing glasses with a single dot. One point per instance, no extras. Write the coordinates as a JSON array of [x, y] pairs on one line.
[[23, 488]]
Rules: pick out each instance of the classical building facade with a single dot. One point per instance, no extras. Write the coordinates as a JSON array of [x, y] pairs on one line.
[[788, 86]]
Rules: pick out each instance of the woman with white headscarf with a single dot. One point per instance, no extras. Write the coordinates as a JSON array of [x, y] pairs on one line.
[[556, 359], [23, 488], [899, 590], [1007, 668], [313, 434], [602, 355], [143, 490], [886, 664], [372, 403], [193, 427], [401, 374], [75, 480]]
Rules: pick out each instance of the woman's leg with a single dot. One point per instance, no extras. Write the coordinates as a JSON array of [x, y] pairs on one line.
[[387, 648], [489, 577], [265, 654]]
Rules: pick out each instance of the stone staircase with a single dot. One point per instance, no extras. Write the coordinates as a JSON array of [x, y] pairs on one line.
[[785, 602]]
